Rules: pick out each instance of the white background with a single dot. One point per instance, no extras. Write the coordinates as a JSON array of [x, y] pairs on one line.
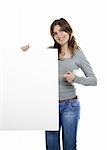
[[88, 20]]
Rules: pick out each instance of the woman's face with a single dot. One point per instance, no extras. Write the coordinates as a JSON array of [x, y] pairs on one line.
[[60, 36]]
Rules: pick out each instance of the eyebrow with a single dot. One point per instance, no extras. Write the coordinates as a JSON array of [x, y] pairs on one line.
[[54, 32]]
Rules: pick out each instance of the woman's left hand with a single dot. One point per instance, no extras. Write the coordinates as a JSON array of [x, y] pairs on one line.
[[25, 47], [69, 76]]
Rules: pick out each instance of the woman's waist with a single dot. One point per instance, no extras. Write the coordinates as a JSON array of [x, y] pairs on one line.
[[69, 99], [66, 94]]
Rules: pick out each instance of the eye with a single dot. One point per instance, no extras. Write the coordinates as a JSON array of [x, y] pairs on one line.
[[54, 34], [61, 30]]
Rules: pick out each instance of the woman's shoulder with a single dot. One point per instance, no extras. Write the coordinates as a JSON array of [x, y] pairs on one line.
[[78, 52], [79, 55]]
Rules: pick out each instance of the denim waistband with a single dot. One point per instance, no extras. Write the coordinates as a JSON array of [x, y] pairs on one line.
[[70, 99]]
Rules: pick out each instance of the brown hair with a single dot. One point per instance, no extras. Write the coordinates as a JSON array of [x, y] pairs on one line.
[[65, 26]]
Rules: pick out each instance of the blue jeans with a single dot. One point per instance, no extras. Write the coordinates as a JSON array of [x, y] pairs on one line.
[[69, 114]]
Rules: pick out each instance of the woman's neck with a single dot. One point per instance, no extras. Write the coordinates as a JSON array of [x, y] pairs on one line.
[[65, 52], [64, 49]]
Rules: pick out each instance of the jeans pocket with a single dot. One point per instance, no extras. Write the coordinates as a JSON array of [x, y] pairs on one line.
[[75, 104]]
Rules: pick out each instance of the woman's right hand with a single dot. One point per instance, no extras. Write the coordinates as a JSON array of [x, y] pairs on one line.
[[25, 47]]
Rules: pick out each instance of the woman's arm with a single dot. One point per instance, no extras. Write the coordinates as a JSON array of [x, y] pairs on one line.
[[90, 78]]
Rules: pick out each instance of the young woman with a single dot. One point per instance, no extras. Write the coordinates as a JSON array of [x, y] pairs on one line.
[[71, 58]]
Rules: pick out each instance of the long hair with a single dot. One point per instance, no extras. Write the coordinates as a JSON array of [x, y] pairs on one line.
[[65, 26]]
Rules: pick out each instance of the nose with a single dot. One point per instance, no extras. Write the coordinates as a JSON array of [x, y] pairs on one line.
[[59, 34]]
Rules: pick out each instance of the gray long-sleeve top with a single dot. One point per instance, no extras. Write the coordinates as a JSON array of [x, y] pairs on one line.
[[67, 90]]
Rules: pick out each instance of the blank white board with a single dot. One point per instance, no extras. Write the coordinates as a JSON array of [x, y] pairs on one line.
[[29, 89]]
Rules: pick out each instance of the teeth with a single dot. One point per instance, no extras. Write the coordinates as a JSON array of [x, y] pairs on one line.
[[61, 39]]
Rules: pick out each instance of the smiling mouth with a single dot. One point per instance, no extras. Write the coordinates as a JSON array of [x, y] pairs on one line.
[[61, 39]]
